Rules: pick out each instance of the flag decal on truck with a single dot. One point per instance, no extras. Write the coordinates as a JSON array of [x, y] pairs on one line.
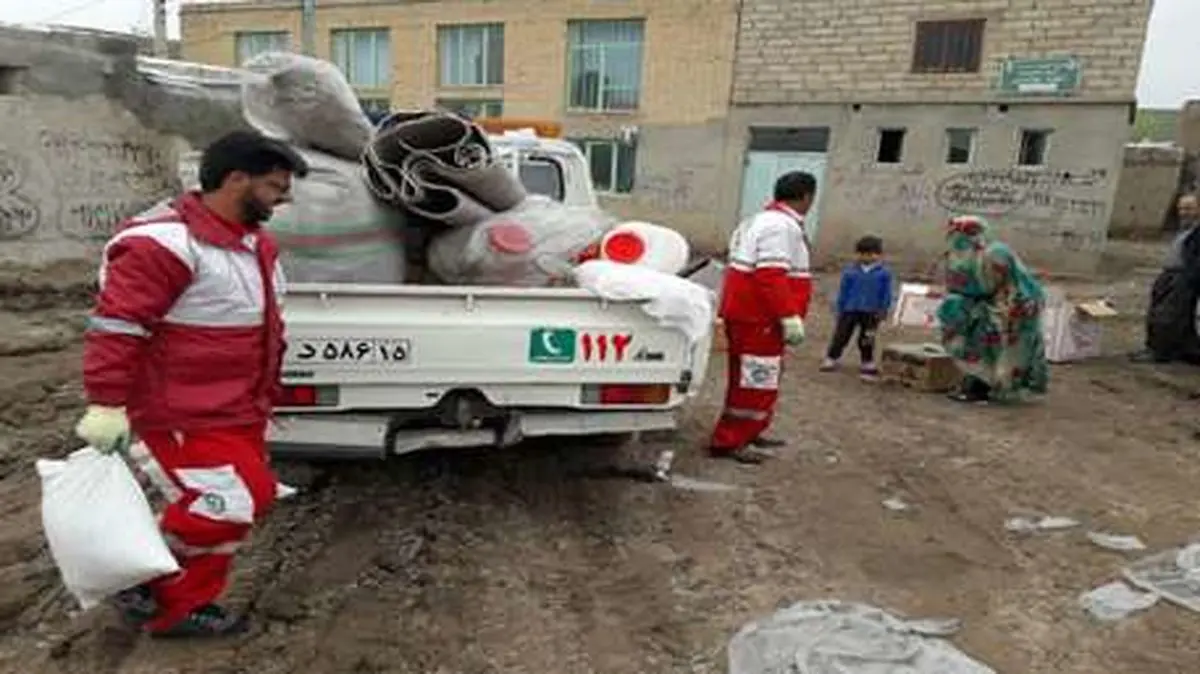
[[552, 345]]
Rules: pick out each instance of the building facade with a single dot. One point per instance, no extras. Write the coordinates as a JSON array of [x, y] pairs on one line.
[[1017, 110], [642, 85], [906, 111]]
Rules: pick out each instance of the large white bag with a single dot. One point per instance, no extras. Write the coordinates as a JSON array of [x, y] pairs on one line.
[[102, 534]]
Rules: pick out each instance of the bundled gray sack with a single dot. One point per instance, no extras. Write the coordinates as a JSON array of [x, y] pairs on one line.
[[305, 101]]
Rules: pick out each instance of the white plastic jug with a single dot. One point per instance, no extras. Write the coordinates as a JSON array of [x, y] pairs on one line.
[[646, 245]]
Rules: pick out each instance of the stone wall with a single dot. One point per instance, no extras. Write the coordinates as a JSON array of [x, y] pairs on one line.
[[1147, 189], [818, 51], [74, 159]]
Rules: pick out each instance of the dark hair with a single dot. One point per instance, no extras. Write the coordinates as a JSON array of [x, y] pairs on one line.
[[249, 152], [794, 186], [868, 245]]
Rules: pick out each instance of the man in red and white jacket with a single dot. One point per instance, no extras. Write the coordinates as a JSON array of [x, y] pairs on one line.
[[183, 350], [764, 302]]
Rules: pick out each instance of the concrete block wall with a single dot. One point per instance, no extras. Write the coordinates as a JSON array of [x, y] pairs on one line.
[[818, 51], [1147, 190], [74, 160]]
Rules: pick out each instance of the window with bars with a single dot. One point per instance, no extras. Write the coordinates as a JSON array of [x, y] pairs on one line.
[[613, 163], [471, 55], [473, 108], [247, 45], [364, 55], [948, 46], [604, 65]]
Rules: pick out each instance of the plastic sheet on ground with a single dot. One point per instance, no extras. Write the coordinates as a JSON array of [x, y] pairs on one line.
[[835, 637], [534, 245], [335, 231], [441, 167], [305, 101], [1173, 574], [672, 301], [1116, 601]]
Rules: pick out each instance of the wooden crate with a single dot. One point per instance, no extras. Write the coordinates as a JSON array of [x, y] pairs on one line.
[[918, 366]]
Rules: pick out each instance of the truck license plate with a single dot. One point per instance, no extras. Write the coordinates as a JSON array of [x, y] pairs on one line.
[[349, 350]]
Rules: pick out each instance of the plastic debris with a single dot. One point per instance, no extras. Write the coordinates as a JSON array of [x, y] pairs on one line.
[[896, 505], [835, 637], [692, 484], [1173, 574], [1116, 601], [1029, 525], [1116, 542]]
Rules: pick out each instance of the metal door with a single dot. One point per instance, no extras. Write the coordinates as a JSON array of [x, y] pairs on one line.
[[763, 168]]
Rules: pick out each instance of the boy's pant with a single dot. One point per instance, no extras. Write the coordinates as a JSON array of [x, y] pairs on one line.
[[216, 484], [866, 323], [754, 365]]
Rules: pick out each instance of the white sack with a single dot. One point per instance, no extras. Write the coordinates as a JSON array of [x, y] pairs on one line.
[[533, 245], [672, 301], [334, 230], [101, 532], [305, 101]]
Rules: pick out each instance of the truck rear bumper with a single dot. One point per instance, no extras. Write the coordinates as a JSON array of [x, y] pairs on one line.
[[317, 436]]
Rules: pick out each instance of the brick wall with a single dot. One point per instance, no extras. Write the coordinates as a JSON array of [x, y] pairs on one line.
[[805, 51], [687, 56]]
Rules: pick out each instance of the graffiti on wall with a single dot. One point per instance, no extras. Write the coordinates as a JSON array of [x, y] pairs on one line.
[[107, 179], [19, 214], [997, 192], [1065, 206]]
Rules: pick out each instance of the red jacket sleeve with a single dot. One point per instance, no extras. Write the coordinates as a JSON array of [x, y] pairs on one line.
[[140, 281]]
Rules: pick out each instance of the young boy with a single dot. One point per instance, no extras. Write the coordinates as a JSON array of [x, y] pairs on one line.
[[863, 301]]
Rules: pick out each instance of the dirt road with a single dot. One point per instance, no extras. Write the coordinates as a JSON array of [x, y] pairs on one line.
[[526, 562]]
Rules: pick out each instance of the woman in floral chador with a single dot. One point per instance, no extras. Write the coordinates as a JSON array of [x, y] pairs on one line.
[[991, 318]]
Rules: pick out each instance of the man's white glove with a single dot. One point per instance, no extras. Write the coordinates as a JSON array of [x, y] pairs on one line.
[[793, 330], [106, 429]]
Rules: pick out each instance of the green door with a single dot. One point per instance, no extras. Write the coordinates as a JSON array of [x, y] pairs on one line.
[[763, 168]]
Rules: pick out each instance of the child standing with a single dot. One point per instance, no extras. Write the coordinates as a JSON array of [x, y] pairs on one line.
[[863, 301]]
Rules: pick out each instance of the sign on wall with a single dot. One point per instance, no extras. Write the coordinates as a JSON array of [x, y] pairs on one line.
[[1055, 75]]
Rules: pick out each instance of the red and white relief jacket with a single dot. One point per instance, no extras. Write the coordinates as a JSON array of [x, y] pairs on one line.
[[768, 276], [186, 332]]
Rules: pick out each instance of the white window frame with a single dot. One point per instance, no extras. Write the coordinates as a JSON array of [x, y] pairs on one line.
[[452, 40], [972, 137], [574, 50], [1047, 134], [585, 146], [246, 44], [382, 57]]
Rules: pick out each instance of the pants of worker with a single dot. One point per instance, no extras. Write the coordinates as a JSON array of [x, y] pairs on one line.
[[216, 485], [866, 324], [753, 369]]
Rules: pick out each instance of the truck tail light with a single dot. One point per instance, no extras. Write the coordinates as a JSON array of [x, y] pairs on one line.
[[626, 394], [308, 396]]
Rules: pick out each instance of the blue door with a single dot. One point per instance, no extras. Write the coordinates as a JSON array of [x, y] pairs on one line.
[[763, 168]]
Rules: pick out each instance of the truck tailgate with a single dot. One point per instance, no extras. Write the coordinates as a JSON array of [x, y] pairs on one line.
[[406, 346]]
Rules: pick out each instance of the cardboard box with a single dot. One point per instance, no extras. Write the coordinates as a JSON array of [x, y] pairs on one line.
[[925, 367], [917, 305], [1073, 330]]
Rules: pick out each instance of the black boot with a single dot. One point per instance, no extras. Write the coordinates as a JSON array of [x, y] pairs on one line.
[[136, 605], [206, 621]]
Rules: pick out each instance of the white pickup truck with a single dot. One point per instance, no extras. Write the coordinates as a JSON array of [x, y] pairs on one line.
[[379, 370]]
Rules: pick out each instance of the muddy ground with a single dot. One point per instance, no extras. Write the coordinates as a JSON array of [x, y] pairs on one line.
[[525, 561]]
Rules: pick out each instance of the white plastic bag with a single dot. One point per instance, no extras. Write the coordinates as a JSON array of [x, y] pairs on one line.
[[533, 245], [672, 301], [101, 532]]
